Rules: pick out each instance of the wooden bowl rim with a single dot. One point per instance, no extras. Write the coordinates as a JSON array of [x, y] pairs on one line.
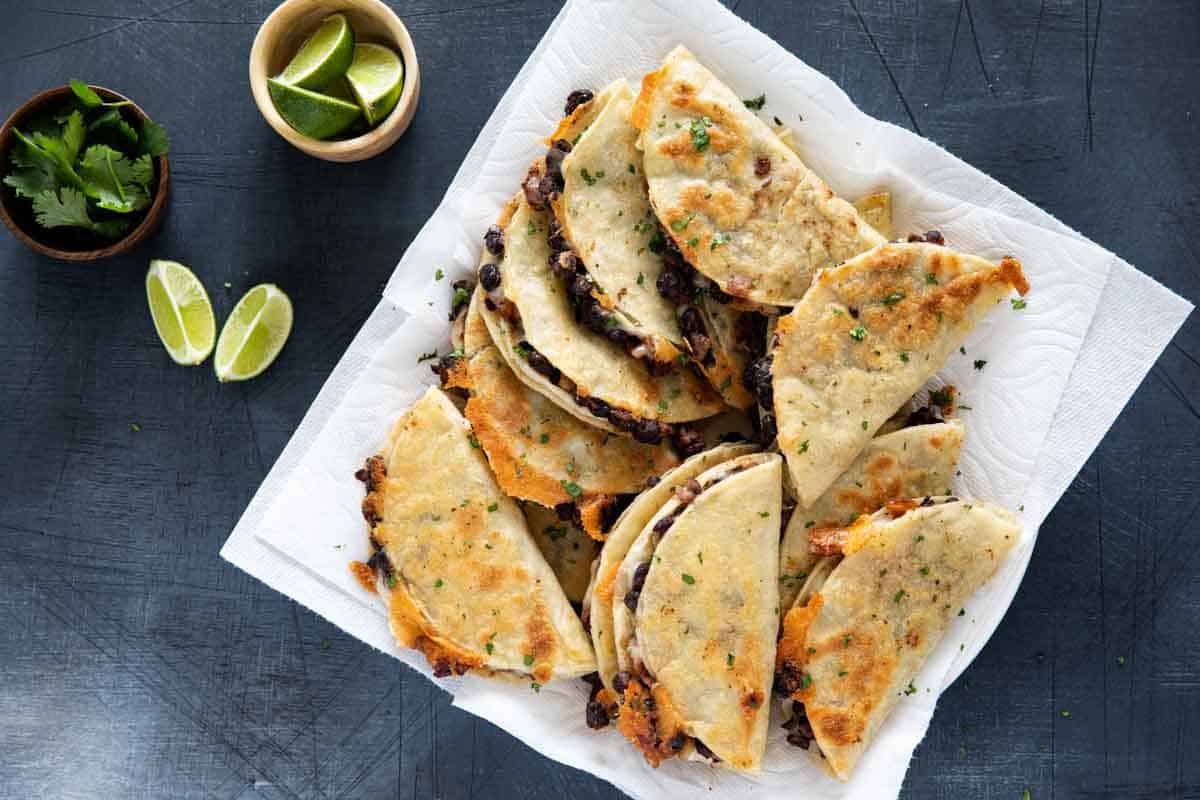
[[374, 141], [122, 245]]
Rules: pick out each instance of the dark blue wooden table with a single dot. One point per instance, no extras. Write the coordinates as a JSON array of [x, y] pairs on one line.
[[135, 663]]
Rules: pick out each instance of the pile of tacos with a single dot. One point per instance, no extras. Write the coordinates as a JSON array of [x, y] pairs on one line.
[[676, 450]]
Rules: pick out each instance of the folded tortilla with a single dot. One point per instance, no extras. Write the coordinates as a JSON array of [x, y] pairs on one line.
[[452, 556], [912, 462], [533, 325], [627, 528], [604, 214], [741, 205], [566, 547], [866, 337], [537, 450], [853, 650], [698, 617]]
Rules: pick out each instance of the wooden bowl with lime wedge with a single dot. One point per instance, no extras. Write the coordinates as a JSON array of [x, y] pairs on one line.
[[281, 37]]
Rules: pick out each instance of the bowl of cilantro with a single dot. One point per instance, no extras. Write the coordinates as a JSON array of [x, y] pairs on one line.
[[85, 173]]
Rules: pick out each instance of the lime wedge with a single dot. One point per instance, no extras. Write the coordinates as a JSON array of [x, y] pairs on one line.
[[317, 116], [255, 332], [376, 75], [324, 56], [182, 314]]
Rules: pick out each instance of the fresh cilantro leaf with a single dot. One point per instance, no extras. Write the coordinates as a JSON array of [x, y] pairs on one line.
[[117, 184], [1018, 304], [154, 139], [699, 128], [572, 488], [112, 119], [85, 94], [72, 136], [755, 103], [68, 209]]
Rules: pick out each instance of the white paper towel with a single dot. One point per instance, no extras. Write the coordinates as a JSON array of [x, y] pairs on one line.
[[1058, 372]]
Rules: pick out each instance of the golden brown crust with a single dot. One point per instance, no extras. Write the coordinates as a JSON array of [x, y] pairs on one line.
[[364, 575], [791, 653], [591, 514], [641, 105], [648, 719]]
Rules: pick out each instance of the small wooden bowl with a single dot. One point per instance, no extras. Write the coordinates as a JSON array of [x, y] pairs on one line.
[[281, 36], [67, 244]]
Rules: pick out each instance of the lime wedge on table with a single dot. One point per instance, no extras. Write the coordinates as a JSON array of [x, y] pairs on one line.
[[317, 116], [182, 313], [254, 334], [324, 56], [376, 75]]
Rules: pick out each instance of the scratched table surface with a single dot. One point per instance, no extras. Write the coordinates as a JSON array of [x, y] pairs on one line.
[[135, 663]]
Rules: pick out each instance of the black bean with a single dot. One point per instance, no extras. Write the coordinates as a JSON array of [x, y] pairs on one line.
[[653, 481], [690, 321], [704, 751], [926, 415], [596, 715], [597, 407], [677, 742], [575, 99], [621, 681], [493, 240], [767, 430], [489, 276], [688, 441], [533, 190], [664, 524], [648, 432], [580, 287], [757, 378], [555, 238], [935, 237], [623, 419]]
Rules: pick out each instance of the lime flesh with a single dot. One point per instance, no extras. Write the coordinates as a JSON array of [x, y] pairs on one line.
[[324, 56], [255, 333], [377, 76], [182, 313], [317, 116]]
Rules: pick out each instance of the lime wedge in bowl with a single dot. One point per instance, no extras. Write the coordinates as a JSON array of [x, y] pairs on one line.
[[182, 313], [376, 75], [317, 116], [323, 57], [255, 332]]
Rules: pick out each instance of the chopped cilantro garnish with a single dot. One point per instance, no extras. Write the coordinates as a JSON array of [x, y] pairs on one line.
[[910, 689], [755, 103], [729, 660], [1018, 303], [572, 488], [632, 170], [641, 279], [439, 583], [720, 239], [930, 278], [529, 661], [544, 438], [699, 128], [893, 298], [764, 514], [805, 681], [682, 223], [865, 425], [899, 595], [904, 357], [803, 447], [688, 579], [473, 441], [493, 508], [391, 580], [858, 333], [426, 356], [438, 275], [980, 363], [587, 177]]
